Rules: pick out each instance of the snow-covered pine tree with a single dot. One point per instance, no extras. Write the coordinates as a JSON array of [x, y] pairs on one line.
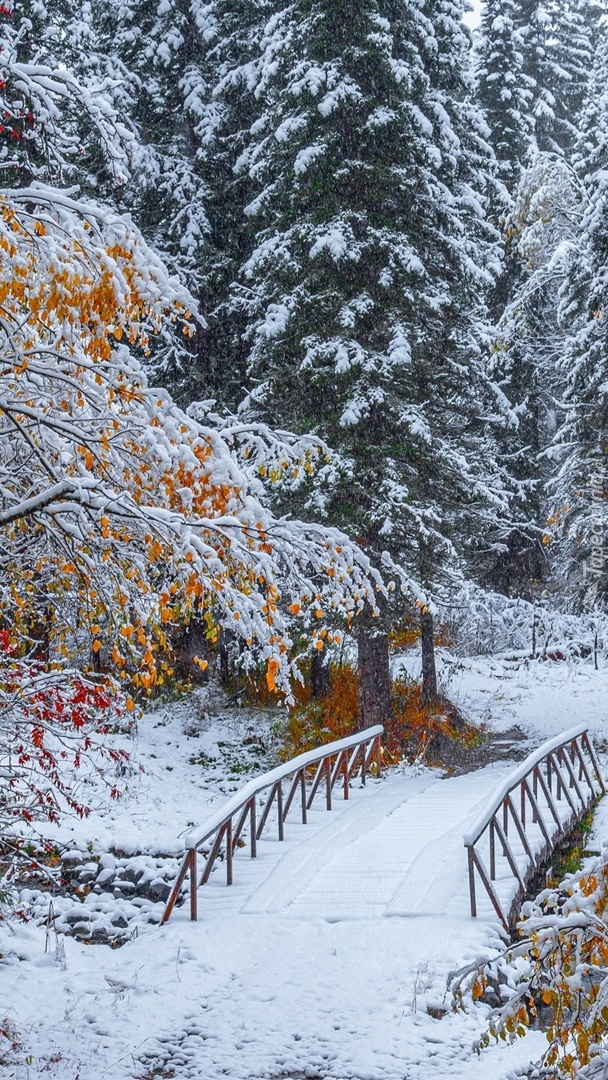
[[184, 80], [231, 31], [557, 45], [579, 490], [505, 93], [544, 226], [540, 70], [554, 42], [364, 287], [576, 24], [151, 56]]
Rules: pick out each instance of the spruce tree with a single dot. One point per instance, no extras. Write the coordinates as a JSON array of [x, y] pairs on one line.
[[544, 228], [554, 42], [151, 55], [576, 26], [180, 72], [558, 44], [579, 489], [363, 291], [505, 93]]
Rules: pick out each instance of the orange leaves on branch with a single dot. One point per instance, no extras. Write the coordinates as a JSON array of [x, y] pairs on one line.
[[560, 963], [153, 513], [271, 674]]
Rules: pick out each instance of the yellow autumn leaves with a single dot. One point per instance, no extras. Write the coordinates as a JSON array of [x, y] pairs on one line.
[[123, 515]]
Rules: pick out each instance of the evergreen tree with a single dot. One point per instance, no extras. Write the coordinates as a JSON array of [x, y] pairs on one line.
[[151, 55], [576, 25], [505, 93], [579, 490], [363, 291], [549, 46], [558, 43], [184, 81], [544, 228]]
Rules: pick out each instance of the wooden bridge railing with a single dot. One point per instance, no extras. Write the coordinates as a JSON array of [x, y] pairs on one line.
[[339, 761], [537, 806]]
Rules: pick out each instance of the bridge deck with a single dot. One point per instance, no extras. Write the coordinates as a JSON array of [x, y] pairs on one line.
[[394, 849], [328, 943], [397, 851]]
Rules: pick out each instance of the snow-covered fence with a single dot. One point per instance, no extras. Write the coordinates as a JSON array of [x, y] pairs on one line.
[[542, 800], [342, 761]]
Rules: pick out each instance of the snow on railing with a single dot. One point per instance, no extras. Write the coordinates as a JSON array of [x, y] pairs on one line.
[[345, 759], [544, 799]]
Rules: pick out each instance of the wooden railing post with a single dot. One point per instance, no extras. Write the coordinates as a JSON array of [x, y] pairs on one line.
[[472, 883], [280, 811], [229, 852], [193, 887], [252, 829]]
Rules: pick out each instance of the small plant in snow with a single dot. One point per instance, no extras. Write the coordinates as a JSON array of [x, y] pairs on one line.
[[556, 977]]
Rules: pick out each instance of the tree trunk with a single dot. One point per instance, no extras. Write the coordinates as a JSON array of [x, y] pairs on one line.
[[224, 657], [429, 671], [320, 678], [191, 640], [374, 680]]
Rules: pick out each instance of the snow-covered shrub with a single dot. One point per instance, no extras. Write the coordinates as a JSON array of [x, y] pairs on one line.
[[478, 621], [556, 977]]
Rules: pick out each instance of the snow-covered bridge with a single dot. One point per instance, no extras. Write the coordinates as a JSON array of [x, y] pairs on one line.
[[399, 849]]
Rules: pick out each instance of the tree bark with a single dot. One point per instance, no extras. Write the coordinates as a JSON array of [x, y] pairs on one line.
[[429, 671], [224, 657], [320, 677], [191, 640], [374, 680]]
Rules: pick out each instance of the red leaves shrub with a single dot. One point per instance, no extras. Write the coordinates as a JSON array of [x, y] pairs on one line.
[[52, 722]]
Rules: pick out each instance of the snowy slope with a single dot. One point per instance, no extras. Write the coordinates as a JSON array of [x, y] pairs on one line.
[[322, 958]]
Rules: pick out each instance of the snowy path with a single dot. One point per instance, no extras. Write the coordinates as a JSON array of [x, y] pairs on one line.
[[321, 959]]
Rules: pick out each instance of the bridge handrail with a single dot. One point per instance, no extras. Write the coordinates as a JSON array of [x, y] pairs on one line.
[[197, 836], [544, 781], [340, 760], [514, 779]]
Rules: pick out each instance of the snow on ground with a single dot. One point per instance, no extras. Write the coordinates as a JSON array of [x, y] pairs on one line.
[[323, 957], [542, 697]]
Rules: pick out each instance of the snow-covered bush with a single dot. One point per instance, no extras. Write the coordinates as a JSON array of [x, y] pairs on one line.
[[479, 621], [556, 977]]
